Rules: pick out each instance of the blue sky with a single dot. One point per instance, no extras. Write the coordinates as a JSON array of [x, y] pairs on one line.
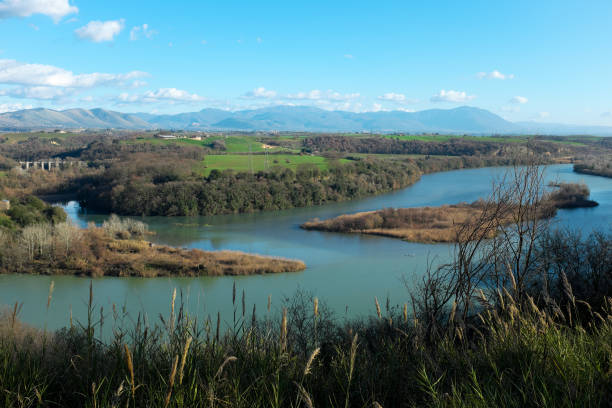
[[524, 60]]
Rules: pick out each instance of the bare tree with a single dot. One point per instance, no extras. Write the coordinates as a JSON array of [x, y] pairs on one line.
[[37, 239], [496, 249], [66, 234], [514, 247]]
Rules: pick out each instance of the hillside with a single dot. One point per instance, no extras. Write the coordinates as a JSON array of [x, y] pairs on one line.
[[459, 120]]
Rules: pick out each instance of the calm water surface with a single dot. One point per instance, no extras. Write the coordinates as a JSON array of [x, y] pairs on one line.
[[345, 271]]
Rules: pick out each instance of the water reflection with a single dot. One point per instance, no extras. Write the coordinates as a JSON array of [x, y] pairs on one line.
[[343, 269]]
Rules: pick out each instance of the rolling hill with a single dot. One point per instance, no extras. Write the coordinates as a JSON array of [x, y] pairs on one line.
[[459, 120]]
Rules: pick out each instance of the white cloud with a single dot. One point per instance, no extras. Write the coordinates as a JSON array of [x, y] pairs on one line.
[[259, 40], [377, 107], [56, 9], [397, 98], [203, 42], [260, 93], [316, 94], [543, 115], [37, 92], [452, 96], [20, 73], [393, 97], [171, 95], [311, 95], [11, 107], [519, 99], [100, 31], [348, 56], [137, 84], [495, 74], [144, 29]]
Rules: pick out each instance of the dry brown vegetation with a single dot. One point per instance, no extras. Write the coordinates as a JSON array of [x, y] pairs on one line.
[[424, 224], [595, 166], [447, 223], [118, 248], [129, 257]]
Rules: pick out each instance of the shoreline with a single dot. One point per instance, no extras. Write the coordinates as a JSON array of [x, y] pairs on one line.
[[443, 224]]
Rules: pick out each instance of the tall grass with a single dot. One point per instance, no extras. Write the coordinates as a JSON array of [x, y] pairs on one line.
[[511, 354]]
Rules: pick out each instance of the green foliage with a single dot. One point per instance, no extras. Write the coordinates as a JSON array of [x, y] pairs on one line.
[[135, 190], [6, 222], [32, 210]]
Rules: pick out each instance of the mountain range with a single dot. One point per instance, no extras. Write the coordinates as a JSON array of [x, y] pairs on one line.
[[462, 120]]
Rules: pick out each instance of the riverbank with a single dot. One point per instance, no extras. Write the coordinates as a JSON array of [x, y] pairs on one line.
[[36, 239], [594, 169], [508, 352], [93, 253], [424, 224], [444, 223], [161, 190]]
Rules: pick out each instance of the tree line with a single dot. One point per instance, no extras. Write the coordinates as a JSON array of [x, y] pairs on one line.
[[166, 189], [453, 147]]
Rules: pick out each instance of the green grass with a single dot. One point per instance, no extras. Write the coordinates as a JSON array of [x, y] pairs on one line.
[[517, 356], [233, 144], [243, 162], [20, 137]]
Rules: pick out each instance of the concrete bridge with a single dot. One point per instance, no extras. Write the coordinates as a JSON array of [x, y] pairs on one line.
[[48, 164]]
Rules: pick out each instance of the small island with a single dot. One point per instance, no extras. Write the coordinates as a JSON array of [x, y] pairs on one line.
[[440, 224], [601, 166], [36, 238]]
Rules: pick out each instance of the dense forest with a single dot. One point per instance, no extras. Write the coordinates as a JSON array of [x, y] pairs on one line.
[[150, 185], [135, 174], [158, 189], [454, 147]]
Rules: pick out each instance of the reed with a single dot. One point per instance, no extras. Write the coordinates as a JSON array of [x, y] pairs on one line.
[[130, 365], [184, 358], [530, 352], [283, 331], [171, 381], [378, 312]]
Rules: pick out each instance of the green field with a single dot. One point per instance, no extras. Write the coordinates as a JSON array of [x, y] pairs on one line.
[[233, 144], [243, 162], [20, 137]]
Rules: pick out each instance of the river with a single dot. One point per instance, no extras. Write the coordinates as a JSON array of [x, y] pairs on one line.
[[345, 271]]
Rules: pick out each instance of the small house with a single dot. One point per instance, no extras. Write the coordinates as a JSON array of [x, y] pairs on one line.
[[5, 205]]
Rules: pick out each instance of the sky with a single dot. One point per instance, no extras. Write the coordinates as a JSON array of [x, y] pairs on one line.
[[548, 61]]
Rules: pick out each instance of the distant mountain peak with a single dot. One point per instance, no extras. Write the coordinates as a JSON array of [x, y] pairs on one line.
[[459, 120]]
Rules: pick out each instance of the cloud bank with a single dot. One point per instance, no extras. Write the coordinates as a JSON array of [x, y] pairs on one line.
[[56, 9]]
